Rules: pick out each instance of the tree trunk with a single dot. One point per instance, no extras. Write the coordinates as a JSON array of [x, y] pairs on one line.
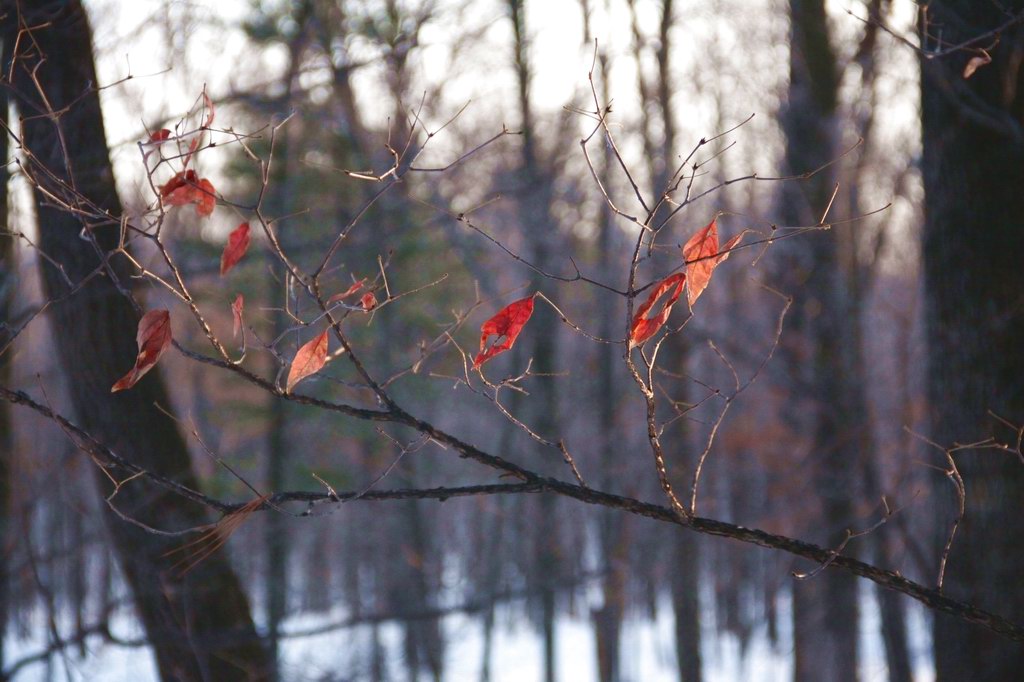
[[612, 538], [825, 607], [276, 532], [8, 283], [686, 605], [535, 196], [973, 239], [861, 271], [275, 529], [198, 624]]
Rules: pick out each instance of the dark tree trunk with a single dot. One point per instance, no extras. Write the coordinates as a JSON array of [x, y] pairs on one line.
[[686, 605], [8, 282], [198, 625], [276, 531], [535, 197], [276, 527], [973, 240], [613, 542], [825, 607]]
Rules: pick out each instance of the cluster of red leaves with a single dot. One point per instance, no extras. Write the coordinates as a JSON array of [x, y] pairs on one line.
[[701, 255], [497, 335], [153, 337], [188, 188], [154, 331], [504, 327]]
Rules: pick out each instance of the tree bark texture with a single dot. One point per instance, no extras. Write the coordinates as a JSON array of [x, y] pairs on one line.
[[199, 623], [825, 606], [973, 170]]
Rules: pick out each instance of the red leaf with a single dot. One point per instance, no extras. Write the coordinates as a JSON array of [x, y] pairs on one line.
[[160, 135], [506, 324], [236, 311], [308, 361], [727, 248], [187, 188], [702, 256], [644, 327], [348, 292], [153, 337], [206, 199], [172, 193], [238, 243], [368, 301], [699, 254]]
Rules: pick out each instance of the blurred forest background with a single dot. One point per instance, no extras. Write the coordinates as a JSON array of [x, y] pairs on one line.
[[904, 321]]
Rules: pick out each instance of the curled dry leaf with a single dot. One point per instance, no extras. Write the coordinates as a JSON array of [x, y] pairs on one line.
[[188, 188], [236, 313], [238, 243], [192, 147], [160, 135], [368, 301], [197, 138], [976, 62], [153, 337], [505, 327], [644, 326], [702, 256], [208, 104], [308, 361], [354, 289]]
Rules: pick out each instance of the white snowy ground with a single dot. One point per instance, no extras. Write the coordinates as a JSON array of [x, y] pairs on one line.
[[646, 650]]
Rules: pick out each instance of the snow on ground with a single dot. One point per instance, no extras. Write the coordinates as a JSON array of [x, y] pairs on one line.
[[647, 653]]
